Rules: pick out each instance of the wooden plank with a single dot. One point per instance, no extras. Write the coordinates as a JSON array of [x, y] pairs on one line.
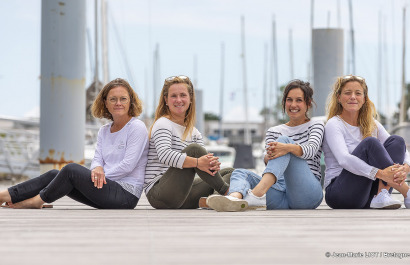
[[75, 234]]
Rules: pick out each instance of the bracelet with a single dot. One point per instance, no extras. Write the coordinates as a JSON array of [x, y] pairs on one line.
[[197, 162]]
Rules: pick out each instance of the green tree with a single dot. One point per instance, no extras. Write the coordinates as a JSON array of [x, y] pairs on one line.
[[276, 111], [211, 117]]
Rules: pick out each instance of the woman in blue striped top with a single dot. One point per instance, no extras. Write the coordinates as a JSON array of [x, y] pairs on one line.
[[177, 153], [292, 176]]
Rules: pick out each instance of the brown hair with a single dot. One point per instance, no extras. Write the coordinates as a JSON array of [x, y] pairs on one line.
[[367, 113], [163, 110], [99, 110]]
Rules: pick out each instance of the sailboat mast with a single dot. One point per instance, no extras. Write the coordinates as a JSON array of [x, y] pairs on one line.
[[403, 75], [155, 82], [292, 75], [352, 55], [104, 41], [247, 139], [379, 66], [96, 45], [221, 96], [310, 66], [275, 69], [266, 109]]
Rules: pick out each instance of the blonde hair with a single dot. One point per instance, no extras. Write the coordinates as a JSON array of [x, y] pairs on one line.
[[367, 113], [163, 110], [99, 110]]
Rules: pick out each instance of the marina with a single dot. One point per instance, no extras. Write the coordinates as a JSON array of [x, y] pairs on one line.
[[239, 56]]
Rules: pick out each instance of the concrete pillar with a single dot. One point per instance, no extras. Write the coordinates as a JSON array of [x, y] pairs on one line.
[[328, 64], [62, 104]]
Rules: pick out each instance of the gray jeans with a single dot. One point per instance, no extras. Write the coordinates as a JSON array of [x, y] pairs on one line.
[[180, 189]]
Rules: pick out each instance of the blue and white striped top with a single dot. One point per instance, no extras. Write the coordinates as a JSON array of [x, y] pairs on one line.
[[165, 148], [308, 136]]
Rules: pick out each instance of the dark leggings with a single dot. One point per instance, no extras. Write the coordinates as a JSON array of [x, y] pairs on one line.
[[74, 181], [179, 189], [350, 191]]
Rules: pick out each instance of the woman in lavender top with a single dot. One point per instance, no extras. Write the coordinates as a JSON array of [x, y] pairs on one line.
[[117, 172]]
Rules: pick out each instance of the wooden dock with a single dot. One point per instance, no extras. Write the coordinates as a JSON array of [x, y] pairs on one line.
[[75, 234]]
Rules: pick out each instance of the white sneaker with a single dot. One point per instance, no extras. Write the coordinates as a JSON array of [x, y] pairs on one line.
[[407, 200], [255, 202], [384, 201], [226, 203]]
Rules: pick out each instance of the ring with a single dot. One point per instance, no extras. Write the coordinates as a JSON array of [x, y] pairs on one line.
[[95, 178]]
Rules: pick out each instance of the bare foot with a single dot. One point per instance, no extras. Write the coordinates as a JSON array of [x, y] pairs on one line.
[[32, 203]]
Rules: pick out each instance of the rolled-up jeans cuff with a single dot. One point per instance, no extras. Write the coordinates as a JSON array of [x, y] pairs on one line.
[[268, 170], [242, 189]]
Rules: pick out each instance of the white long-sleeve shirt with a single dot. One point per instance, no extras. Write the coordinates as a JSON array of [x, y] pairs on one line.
[[165, 148], [341, 139], [123, 155]]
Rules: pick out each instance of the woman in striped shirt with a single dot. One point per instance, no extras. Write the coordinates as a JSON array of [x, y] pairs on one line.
[[292, 176], [176, 152]]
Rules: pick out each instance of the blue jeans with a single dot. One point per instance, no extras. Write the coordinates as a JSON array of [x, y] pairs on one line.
[[296, 186], [350, 191]]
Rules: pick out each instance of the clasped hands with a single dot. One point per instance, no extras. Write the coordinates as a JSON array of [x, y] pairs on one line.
[[209, 163], [275, 150], [395, 174]]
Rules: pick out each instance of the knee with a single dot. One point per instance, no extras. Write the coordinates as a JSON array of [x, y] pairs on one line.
[[396, 139], [53, 172], [284, 139], [227, 170], [72, 167], [371, 141], [194, 150]]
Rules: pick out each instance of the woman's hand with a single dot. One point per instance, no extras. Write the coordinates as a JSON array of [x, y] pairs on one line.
[[209, 164], [216, 165], [401, 173], [276, 149], [98, 177], [393, 174]]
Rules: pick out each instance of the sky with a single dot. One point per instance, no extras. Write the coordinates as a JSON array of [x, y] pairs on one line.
[[190, 34]]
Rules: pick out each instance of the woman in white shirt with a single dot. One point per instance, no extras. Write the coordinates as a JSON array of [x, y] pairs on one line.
[[363, 162], [176, 152], [116, 176]]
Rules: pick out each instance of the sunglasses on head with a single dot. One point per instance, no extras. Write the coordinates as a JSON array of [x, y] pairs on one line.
[[183, 77], [352, 76]]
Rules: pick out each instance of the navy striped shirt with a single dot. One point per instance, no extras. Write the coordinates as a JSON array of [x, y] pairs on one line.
[[165, 148], [308, 136]]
